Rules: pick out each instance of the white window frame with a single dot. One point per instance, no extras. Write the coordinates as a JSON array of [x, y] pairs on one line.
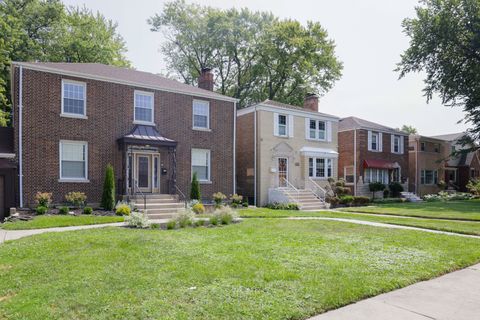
[[209, 163], [74, 115], [286, 125], [60, 149], [207, 128], [423, 177], [376, 175], [375, 135], [394, 139], [326, 163], [143, 93], [317, 130]]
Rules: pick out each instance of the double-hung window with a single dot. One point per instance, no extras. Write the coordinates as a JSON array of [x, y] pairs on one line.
[[74, 99], [374, 144], [429, 177], [319, 167], [282, 125], [317, 130], [201, 164], [396, 144], [73, 160], [143, 105], [201, 114]]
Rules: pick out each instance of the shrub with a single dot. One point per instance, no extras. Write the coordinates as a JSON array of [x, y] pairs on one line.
[[442, 184], [195, 188], [218, 198], [390, 200], [214, 220], [200, 223], [474, 187], [137, 220], [108, 196], [198, 208], [360, 201], [87, 210], [41, 210], [334, 201], [236, 200], [245, 204], [282, 206], [76, 199], [395, 189], [63, 210], [346, 200], [122, 209], [386, 193], [185, 218], [155, 226], [43, 199], [225, 215], [172, 224], [374, 187]]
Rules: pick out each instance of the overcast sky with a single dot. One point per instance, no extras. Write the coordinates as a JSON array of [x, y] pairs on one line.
[[369, 41]]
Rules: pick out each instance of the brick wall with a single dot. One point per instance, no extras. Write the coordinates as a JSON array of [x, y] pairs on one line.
[[110, 116], [245, 155]]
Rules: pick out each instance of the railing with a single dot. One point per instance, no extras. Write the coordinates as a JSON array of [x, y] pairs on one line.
[[183, 195], [316, 189], [292, 187], [135, 185]]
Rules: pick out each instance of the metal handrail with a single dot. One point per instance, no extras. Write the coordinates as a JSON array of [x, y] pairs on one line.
[[136, 187], [293, 187], [316, 185], [183, 195]]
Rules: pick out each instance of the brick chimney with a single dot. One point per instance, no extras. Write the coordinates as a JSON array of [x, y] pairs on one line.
[[205, 81], [311, 102]]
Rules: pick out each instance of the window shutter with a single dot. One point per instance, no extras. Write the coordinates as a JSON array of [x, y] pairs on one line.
[[307, 128], [290, 126], [380, 142], [275, 124], [369, 140], [329, 131], [392, 143], [402, 144]]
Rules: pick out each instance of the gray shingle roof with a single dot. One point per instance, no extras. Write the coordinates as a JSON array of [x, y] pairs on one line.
[[135, 77], [351, 123], [450, 136]]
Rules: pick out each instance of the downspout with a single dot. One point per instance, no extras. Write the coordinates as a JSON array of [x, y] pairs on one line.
[[20, 136], [416, 166], [234, 147], [355, 162], [255, 156]]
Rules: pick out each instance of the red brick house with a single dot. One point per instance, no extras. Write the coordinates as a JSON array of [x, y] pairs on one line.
[[371, 152], [72, 119]]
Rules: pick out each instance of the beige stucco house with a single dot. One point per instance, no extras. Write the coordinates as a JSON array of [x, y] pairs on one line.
[[286, 153]]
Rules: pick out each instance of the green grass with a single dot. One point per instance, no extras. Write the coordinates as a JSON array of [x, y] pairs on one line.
[[257, 269], [52, 221], [455, 210], [463, 227]]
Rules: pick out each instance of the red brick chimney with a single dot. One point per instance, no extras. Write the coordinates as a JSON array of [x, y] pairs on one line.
[[205, 81], [311, 102]]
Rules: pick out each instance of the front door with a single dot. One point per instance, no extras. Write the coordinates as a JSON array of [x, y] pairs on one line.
[[282, 172], [143, 174]]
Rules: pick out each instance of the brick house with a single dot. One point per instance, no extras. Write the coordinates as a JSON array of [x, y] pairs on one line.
[[286, 153], [459, 169], [371, 152], [72, 119], [427, 157]]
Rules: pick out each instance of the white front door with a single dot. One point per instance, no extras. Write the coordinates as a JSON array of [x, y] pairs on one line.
[[282, 171]]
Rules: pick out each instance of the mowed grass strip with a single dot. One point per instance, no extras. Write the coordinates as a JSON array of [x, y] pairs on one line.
[[52, 221], [453, 210], [257, 269]]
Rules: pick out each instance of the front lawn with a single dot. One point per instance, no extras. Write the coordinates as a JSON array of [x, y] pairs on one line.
[[51, 221], [258, 269], [456, 210]]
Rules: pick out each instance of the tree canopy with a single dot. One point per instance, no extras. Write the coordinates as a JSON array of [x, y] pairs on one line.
[[254, 55], [445, 44], [36, 30], [409, 129]]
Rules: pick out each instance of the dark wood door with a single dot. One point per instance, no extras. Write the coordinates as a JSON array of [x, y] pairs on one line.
[[2, 196]]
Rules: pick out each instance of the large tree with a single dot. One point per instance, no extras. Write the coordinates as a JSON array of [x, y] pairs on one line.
[[255, 56], [445, 44], [45, 30]]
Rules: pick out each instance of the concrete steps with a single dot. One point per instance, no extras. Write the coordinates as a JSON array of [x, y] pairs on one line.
[[410, 196], [305, 199], [158, 206]]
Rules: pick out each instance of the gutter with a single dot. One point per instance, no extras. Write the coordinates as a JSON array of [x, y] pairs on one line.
[[255, 156], [20, 135], [355, 162], [234, 147]]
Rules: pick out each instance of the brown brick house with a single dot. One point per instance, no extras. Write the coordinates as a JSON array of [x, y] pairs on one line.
[[370, 152], [71, 120]]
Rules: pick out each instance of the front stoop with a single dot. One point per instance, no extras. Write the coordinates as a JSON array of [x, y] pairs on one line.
[[306, 199], [158, 206]]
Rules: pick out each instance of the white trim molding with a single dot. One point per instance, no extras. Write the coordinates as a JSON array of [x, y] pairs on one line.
[[69, 114], [148, 94], [60, 149]]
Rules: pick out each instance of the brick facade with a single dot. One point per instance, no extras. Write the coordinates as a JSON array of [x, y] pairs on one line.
[[245, 156], [110, 116]]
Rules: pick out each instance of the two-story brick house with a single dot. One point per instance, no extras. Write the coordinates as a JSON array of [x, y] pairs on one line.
[[72, 119], [286, 149], [371, 152]]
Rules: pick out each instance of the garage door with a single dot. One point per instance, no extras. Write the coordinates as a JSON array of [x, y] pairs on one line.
[[2, 196]]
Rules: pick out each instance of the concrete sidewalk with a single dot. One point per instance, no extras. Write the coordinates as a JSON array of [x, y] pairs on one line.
[[455, 296], [17, 234]]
